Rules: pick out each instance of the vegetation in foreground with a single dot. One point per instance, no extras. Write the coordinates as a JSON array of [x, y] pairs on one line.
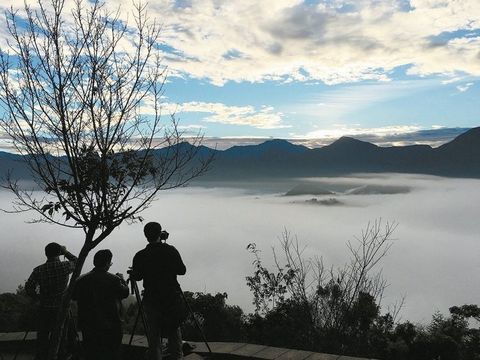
[[301, 304]]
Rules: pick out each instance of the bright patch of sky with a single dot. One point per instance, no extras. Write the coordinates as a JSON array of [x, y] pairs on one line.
[[305, 69]]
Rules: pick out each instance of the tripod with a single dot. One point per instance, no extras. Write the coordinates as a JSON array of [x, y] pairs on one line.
[[141, 314]]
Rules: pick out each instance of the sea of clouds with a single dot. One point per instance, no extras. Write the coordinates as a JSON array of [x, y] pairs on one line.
[[434, 260]]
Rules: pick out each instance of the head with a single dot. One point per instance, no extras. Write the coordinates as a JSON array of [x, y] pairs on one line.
[[53, 250], [152, 231], [103, 259]]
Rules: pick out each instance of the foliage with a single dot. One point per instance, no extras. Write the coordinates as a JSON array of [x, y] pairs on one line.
[[218, 320], [286, 325], [338, 310], [17, 311], [294, 319], [338, 306], [268, 288]]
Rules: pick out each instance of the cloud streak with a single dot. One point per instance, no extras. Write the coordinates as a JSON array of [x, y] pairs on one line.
[[334, 104]]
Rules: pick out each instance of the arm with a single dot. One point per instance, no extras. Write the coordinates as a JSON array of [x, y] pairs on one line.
[[122, 289], [180, 267], [31, 285], [137, 265], [72, 259]]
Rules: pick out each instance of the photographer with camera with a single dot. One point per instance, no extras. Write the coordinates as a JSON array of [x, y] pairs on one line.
[[48, 283], [99, 295], [158, 266]]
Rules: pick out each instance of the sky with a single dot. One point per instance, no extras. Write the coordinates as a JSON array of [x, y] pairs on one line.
[[393, 72]]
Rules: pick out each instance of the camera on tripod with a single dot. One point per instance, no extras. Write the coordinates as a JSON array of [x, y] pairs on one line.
[[164, 235]]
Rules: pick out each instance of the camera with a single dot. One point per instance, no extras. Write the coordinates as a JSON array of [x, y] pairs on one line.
[[164, 235]]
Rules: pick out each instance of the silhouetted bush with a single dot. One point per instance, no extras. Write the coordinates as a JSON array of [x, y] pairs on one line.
[[17, 312], [218, 320]]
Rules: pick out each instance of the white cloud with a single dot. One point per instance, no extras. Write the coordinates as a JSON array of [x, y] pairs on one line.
[[290, 40], [190, 127], [452, 80], [345, 130], [464, 87], [263, 118]]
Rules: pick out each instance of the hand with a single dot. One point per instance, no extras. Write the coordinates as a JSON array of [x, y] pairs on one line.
[[63, 249]]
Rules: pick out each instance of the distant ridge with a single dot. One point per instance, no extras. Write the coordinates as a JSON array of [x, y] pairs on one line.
[[278, 158]]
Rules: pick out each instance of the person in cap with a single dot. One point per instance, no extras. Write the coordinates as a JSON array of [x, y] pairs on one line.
[[48, 283]]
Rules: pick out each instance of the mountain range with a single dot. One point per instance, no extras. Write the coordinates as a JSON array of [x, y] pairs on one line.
[[281, 159]]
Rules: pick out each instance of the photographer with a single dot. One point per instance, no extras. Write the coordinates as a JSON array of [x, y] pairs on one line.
[[99, 294], [48, 283], [158, 266]]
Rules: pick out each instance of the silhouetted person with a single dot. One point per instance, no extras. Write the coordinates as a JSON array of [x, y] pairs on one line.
[[158, 266], [48, 282], [99, 294]]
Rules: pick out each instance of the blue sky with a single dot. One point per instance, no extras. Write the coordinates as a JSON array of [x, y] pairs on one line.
[[312, 71]]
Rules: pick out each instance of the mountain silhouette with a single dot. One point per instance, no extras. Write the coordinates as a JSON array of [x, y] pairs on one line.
[[273, 148], [279, 158]]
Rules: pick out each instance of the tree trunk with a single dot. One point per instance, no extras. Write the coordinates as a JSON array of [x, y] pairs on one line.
[[56, 336]]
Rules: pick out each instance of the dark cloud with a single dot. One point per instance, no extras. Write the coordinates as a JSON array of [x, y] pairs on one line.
[[275, 48], [300, 22], [433, 137], [306, 22]]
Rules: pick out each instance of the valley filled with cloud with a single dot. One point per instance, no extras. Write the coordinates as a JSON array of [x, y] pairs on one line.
[[433, 260]]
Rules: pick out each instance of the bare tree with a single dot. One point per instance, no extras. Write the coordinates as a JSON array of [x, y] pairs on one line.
[[329, 294], [81, 93]]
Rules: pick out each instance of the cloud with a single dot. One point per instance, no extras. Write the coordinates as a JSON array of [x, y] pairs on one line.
[[437, 234], [330, 41], [385, 136], [190, 127], [345, 130], [264, 118], [260, 118], [464, 87]]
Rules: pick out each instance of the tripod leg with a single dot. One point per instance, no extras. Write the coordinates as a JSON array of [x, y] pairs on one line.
[[196, 322], [134, 327], [141, 312]]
